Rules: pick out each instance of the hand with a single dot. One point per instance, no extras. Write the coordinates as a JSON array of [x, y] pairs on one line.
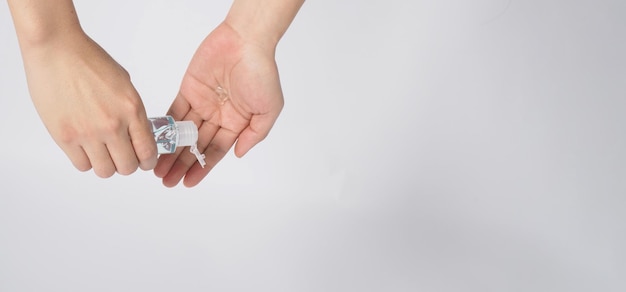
[[89, 106], [231, 90]]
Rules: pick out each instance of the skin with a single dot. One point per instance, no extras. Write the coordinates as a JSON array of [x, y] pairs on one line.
[[85, 99], [238, 56], [91, 109]]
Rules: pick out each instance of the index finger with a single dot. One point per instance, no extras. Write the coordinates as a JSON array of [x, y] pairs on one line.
[[179, 108]]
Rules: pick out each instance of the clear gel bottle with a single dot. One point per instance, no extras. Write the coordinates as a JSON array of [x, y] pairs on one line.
[[169, 134]]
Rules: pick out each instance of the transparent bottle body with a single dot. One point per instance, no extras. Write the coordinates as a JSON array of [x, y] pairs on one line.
[[165, 133]]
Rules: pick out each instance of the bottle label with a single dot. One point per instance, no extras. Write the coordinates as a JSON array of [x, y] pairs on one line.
[[165, 134]]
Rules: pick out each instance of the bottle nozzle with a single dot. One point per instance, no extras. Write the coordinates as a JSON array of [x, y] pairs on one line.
[[194, 149], [188, 136]]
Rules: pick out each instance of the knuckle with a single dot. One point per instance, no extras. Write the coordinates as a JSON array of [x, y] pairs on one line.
[[104, 172], [67, 135], [112, 126], [146, 166], [132, 104], [146, 153], [83, 167], [127, 170]]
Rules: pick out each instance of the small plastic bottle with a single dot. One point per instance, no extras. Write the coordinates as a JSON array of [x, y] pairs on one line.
[[169, 134]]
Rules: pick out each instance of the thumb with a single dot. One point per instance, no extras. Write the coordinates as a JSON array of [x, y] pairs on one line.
[[257, 130], [143, 142]]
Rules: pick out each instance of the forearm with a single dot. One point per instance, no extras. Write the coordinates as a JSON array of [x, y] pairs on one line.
[[264, 21], [41, 22]]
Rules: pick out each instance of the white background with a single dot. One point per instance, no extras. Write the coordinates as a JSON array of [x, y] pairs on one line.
[[441, 145]]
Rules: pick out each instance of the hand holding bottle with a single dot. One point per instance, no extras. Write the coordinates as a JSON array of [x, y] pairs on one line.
[[84, 97]]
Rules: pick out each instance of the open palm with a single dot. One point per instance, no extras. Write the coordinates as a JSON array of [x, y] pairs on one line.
[[231, 90]]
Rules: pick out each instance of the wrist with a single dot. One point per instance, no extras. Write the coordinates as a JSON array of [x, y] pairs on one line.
[[37, 38], [262, 21], [249, 32], [40, 23]]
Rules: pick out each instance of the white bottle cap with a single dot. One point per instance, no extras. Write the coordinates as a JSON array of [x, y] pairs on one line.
[[187, 133], [188, 136]]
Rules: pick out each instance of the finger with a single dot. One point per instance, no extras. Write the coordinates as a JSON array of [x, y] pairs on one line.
[[257, 130], [181, 164], [180, 108], [123, 154], [78, 157], [100, 160], [165, 162], [143, 144], [215, 151]]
